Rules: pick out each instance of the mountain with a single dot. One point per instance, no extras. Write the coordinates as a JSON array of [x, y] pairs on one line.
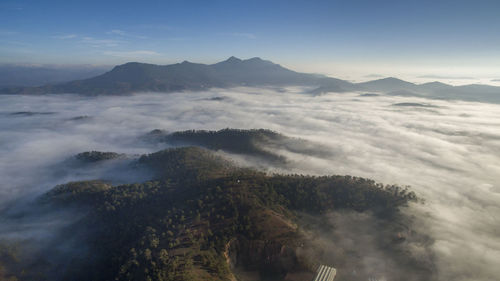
[[187, 76], [141, 77], [201, 217], [33, 75], [435, 90], [435, 86], [260, 143], [474, 92], [387, 85]]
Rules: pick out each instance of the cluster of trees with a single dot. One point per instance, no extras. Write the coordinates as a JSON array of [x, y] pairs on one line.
[[185, 164], [248, 142], [178, 226], [96, 156]]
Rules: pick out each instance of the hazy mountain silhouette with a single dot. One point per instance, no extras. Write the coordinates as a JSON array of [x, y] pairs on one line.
[[12, 75], [139, 77], [435, 90], [187, 76], [387, 85]]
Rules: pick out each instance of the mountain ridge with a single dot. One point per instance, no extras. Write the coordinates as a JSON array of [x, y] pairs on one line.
[[185, 76], [133, 77]]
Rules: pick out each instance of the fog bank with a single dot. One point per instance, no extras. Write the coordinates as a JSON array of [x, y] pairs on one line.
[[448, 151]]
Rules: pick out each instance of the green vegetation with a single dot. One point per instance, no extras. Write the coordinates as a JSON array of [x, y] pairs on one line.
[[96, 156], [199, 213], [257, 144], [16, 265], [248, 142], [185, 164]]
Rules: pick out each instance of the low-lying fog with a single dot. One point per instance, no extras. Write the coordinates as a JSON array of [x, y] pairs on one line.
[[448, 151]]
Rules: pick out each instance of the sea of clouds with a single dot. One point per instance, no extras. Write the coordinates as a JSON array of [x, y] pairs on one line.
[[447, 151]]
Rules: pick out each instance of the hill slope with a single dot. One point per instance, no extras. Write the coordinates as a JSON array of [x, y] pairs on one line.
[[202, 218], [257, 143]]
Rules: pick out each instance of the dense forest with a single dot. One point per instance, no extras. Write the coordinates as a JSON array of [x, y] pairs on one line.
[[200, 218], [261, 144]]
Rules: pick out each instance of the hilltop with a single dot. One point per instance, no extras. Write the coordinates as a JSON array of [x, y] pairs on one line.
[[202, 217]]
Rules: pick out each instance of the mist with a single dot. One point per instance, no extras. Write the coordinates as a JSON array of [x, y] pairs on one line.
[[364, 247], [447, 151]]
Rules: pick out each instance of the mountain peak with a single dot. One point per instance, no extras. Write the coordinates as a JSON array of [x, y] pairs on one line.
[[250, 61], [233, 59], [392, 79], [389, 81], [130, 66], [255, 59], [435, 83], [131, 63]]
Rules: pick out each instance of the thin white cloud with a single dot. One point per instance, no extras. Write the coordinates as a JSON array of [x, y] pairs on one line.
[[98, 43], [122, 33]]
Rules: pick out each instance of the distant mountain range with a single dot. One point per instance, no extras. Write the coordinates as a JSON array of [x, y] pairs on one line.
[[13, 75], [187, 76], [397, 87]]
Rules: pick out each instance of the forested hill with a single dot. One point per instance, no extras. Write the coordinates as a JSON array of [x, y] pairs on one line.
[[202, 218], [260, 144]]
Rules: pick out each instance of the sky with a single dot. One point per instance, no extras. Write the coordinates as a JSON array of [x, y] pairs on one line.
[[350, 39]]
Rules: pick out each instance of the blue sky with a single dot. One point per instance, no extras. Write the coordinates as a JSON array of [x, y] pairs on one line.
[[347, 38]]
